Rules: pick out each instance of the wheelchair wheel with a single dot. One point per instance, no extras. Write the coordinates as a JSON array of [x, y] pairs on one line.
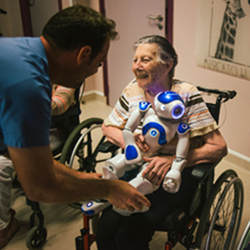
[[36, 237], [82, 149], [225, 209]]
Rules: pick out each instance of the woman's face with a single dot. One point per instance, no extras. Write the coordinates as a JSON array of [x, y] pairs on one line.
[[147, 67]]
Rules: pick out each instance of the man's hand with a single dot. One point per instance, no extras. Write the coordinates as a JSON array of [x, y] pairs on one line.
[[125, 197], [93, 175], [157, 168]]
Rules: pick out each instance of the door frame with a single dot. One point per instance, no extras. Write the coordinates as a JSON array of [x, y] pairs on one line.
[[26, 16], [169, 5]]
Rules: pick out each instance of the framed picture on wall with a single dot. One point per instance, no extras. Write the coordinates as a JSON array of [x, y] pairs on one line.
[[223, 37]]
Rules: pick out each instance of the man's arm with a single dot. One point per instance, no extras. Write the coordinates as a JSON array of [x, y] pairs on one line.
[[44, 179]]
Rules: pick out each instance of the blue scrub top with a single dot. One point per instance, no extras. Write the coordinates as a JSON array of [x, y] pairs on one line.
[[25, 93]]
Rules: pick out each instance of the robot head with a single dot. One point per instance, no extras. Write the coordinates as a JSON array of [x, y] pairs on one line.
[[169, 105]]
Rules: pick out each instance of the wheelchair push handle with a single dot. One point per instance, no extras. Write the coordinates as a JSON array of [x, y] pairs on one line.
[[223, 95]]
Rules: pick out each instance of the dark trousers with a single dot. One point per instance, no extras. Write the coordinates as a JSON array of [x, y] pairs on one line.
[[116, 232]]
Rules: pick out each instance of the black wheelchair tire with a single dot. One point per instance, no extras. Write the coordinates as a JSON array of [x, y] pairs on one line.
[[222, 223]]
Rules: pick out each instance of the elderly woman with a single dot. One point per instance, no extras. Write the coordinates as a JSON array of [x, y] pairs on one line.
[[153, 66]]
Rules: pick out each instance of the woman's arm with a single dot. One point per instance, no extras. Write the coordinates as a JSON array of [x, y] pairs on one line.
[[213, 149], [114, 135], [62, 99]]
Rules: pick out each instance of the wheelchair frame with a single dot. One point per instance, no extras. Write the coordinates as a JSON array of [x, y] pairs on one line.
[[197, 228]]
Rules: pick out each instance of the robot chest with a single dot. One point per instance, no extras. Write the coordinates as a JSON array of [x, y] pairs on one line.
[[157, 132]]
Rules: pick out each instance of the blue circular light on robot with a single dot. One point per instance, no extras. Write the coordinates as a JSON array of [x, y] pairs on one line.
[[178, 111], [143, 105], [153, 133], [90, 204], [183, 128]]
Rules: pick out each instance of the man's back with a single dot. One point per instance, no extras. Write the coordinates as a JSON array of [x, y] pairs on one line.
[[25, 92]]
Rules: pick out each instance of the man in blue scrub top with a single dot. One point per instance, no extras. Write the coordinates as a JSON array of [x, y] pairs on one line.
[[74, 43]]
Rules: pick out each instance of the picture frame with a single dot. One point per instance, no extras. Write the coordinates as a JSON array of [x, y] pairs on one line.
[[223, 38]]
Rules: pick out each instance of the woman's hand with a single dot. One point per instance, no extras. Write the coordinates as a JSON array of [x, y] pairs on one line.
[[140, 142], [157, 168]]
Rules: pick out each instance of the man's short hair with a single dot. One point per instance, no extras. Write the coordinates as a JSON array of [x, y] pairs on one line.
[[77, 26]]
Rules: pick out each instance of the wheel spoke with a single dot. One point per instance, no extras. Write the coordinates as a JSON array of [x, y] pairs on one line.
[[225, 212]]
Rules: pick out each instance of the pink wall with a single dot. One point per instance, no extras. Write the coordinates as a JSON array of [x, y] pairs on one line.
[[235, 129]]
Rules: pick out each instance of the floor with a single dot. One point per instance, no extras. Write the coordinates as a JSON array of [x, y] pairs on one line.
[[64, 222]]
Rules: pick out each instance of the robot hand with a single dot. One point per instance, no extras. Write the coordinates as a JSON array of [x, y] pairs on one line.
[[172, 181]]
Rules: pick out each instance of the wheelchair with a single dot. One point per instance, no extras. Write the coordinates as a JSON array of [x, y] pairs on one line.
[[213, 218]]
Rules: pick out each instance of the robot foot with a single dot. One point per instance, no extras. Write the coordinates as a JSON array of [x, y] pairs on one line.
[[91, 208]]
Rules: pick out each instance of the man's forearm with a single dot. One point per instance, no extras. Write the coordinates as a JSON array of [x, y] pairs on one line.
[[72, 185], [45, 180]]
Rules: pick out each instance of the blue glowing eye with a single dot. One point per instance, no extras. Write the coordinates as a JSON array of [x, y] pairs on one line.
[[178, 111]]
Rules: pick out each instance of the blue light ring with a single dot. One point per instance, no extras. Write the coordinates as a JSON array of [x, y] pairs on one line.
[[144, 106], [162, 138], [183, 128], [182, 107]]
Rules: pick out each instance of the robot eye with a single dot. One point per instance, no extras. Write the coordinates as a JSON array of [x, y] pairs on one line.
[[163, 107], [178, 112]]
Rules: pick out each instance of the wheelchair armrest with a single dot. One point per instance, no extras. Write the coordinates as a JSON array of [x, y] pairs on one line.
[[107, 147], [201, 171]]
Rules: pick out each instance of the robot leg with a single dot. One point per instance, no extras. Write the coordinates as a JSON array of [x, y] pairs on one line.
[[143, 185], [114, 168]]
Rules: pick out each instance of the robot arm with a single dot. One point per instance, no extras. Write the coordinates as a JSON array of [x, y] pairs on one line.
[[132, 152], [172, 179]]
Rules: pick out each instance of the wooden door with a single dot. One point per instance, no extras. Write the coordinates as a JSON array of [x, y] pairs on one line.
[[134, 19]]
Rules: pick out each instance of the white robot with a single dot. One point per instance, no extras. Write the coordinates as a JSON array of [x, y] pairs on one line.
[[160, 126]]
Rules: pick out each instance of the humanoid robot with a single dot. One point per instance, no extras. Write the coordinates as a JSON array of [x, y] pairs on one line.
[[160, 125]]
